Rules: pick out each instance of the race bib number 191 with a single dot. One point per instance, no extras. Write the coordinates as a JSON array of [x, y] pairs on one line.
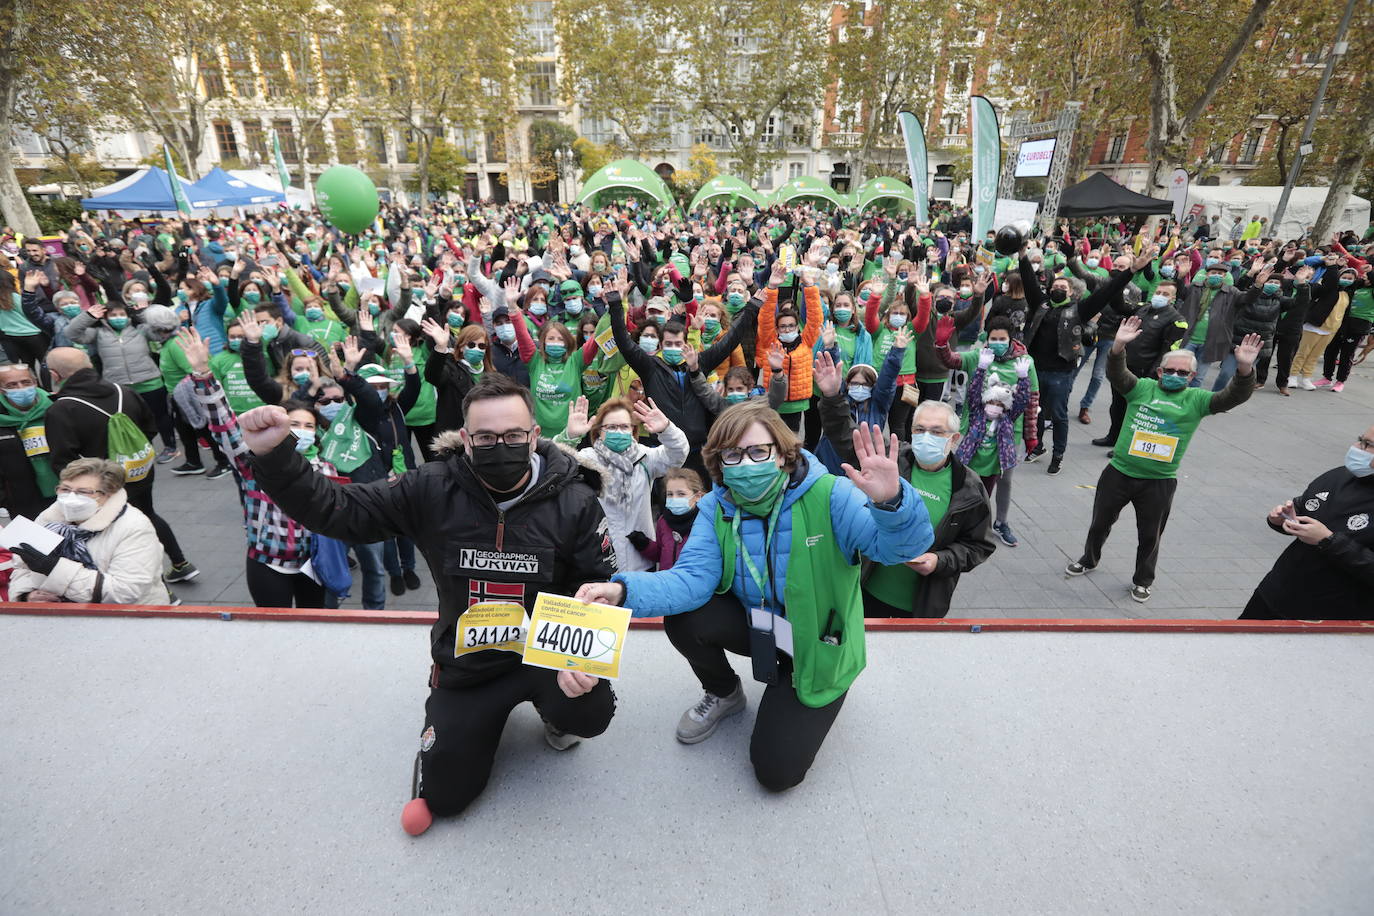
[[1153, 446], [570, 635]]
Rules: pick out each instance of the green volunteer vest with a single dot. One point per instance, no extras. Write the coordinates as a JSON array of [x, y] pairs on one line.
[[819, 579]]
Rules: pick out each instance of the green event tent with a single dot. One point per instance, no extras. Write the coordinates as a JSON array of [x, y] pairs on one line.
[[885, 190], [625, 178], [808, 188], [726, 186]]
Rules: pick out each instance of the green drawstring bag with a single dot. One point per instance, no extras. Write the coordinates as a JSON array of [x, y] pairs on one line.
[[125, 442]]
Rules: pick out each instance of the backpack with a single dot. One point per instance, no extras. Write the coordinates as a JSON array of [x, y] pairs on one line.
[[125, 443], [329, 560]]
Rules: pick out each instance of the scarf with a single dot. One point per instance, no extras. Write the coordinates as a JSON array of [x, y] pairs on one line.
[[74, 538], [617, 487], [10, 416]]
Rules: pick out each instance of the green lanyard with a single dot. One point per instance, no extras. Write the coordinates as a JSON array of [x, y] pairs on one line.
[[760, 578]]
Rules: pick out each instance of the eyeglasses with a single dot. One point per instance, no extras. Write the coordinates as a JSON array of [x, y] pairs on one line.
[[64, 490], [755, 453], [1182, 373], [324, 400], [933, 430], [304, 353], [476, 346], [1366, 444], [510, 437], [617, 428]]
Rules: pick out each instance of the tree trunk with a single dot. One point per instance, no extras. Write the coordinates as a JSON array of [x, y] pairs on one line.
[[1359, 142], [13, 204], [1281, 152]]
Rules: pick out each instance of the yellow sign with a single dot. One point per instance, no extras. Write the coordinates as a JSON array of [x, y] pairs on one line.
[[570, 635], [491, 625], [1153, 446]]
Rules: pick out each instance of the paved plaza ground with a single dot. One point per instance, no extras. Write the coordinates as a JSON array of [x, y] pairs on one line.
[[1216, 549]]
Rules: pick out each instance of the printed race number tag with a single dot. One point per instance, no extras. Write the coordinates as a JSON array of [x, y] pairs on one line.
[[491, 625], [1153, 446], [569, 635], [35, 440]]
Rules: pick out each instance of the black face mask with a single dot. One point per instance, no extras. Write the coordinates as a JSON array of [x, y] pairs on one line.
[[501, 466], [1058, 296], [943, 305]]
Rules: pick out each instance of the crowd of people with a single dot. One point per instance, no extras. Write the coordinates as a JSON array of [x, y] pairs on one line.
[[764, 425]]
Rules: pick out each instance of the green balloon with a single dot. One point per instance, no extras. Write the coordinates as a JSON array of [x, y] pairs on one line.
[[347, 198]]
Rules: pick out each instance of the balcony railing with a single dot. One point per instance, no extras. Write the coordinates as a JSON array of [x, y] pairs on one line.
[[956, 141]]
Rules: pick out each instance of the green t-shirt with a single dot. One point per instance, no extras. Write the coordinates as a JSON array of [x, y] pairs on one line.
[[1157, 428], [1204, 317], [1005, 370], [151, 384], [228, 369], [882, 343], [173, 363], [423, 413], [554, 385], [1362, 304], [327, 331], [896, 585]]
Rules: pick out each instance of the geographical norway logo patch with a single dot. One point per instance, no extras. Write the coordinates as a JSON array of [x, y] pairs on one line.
[[427, 739], [1358, 522], [492, 561]]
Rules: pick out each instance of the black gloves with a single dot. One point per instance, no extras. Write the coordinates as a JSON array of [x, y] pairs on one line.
[[35, 560]]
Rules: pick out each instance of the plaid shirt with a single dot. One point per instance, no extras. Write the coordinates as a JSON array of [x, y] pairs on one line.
[[273, 538]]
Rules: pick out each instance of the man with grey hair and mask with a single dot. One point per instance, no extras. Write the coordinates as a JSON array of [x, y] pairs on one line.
[[1161, 416]]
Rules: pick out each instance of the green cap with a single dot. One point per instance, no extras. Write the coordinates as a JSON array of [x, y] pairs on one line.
[[570, 288]]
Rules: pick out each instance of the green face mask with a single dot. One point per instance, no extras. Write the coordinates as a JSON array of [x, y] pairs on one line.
[[374, 309], [753, 487], [712, 326], [252, 297], [119, 322], [474, 356], [842, 315], [737, 397], [735, 301], [999, 347], [71, 311], [1271, 289], [1214, 281], [300, 378], [555, 351], [617, 440], [236, 344], [269, 332], [1173, 382], [314, 314]]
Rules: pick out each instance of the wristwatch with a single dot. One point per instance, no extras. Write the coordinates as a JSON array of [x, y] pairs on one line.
[[1325, 542], [891, 504]]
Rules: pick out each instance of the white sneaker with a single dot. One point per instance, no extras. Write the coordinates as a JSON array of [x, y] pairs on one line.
[[1292, 382], [1307, 385]]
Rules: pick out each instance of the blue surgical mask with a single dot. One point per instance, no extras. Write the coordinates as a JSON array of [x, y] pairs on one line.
[[305, 438], [901, 277], [1346, 282], [1157, 301], [1212, 261], [930, 449], [454, 320], [896, 321], [23, 397], [71, 311], [594, 292], [1173, 382], [678, 505], [331, 410], [538, 307], [572, 306], [1359, 462], [474, 356], [648, 344], [788, 336], [860, 392], [1092, 263], [735, 300], [617, 440], [1166, 271], [1214, 281], [506, 332], [301, 378], [236, 344]]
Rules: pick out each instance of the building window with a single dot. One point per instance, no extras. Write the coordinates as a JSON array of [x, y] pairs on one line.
[[228, 144], [1116, 149], [959, 78], [275, 80], [334, 72], [765, 181], [1249, 147], [241, 70], [953, 124], [800, 135], [539, 15], [255, 139], [213, 80], [496, 146], [794, 170], [286, 136], [770, 131], [345, 143], [466, 143], [375, 138], [403, 141], [596, 128], [315, 150], [542, 76]]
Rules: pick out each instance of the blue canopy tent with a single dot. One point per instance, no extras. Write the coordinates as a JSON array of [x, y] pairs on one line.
[[232, 192], [146, 191]]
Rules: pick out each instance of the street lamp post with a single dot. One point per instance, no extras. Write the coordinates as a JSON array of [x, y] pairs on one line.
[[567, 166]]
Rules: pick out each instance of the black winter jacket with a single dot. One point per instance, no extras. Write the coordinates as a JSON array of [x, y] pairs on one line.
[[553, 539], [76, 431]]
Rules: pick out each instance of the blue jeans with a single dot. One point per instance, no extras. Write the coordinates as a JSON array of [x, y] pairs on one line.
[[1098, 354], [374, 575], [1054, 402], [1202, 368], [1228, 369], [399, 556]]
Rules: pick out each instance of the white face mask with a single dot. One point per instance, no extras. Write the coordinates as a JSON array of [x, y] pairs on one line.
[[75, 507]]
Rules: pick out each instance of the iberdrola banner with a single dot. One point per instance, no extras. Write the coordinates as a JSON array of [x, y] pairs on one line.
[[987, 165], [915, 138], [178, 195]]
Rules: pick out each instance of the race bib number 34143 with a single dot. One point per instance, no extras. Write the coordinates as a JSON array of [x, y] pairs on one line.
[[491, 625], [569, 635]]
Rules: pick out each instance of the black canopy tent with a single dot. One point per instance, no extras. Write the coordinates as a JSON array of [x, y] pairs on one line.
[[1098, 195]]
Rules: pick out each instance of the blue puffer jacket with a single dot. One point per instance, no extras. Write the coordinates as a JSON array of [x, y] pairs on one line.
[[888, 537]]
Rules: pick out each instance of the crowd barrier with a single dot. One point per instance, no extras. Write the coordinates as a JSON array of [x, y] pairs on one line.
[[887, 624]]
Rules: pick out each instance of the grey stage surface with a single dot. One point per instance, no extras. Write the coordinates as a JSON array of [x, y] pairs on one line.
[[198, 766], [1215, 551]]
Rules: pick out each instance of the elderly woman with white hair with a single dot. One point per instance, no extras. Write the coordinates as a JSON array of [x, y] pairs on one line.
[[109, 554], [954, 498]]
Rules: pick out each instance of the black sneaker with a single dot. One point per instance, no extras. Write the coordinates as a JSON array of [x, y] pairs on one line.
[[184, 571], [1076, 568], [398, 585], [412, 580], [1055, 462], [1034, 454], [1140, 593], [218, 471], [1104, 440], [183, 470], [167, 454]]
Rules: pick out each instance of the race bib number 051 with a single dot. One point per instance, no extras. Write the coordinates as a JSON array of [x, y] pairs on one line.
[[491, 625], [1153, 446], [569, 635]]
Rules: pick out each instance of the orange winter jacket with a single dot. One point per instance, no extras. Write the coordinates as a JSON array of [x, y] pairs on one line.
[[797, 361]]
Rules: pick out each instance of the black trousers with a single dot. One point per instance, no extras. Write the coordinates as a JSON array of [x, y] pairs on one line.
[[1285, 348], [1340, 353], [27, 350], [157, 403], [793, 420], [787, 733], [463, 728], [812, 418], [424, 438], [899, 417], [141, 498], [1152, 500], [270, 588]]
